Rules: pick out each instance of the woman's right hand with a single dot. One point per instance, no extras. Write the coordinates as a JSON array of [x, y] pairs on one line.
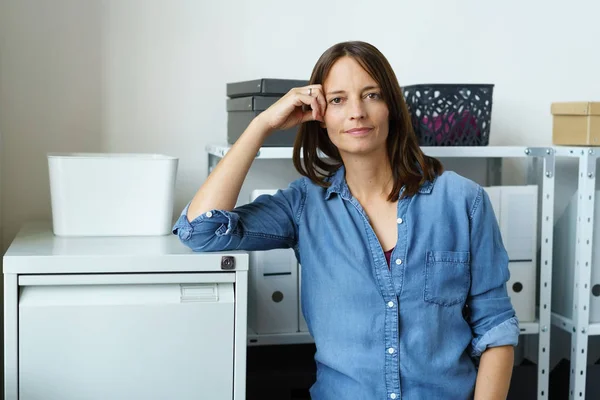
[[296, 106], [222, 188]]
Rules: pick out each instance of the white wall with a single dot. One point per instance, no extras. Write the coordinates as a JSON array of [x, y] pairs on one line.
[[50, 97], [150, 76]]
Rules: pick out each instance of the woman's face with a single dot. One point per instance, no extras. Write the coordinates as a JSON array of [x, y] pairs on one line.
[[357, 118]]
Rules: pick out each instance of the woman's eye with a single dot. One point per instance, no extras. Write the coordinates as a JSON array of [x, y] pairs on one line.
[[335, 100], [373, 96]]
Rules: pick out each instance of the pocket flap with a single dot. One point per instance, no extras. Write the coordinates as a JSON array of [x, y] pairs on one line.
[[462, 257]]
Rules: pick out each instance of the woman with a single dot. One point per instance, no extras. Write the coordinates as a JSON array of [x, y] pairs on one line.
[[383, 330]]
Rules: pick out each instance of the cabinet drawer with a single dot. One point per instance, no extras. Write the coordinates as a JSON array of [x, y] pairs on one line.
[[125, 340]]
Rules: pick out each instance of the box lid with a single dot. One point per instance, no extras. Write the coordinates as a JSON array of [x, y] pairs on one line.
[[265, 87], [252, 103], [576, 108]]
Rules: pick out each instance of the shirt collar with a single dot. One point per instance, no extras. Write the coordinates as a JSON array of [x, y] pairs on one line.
[[339, 185]]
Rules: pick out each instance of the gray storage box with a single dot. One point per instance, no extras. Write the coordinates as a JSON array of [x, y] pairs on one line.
[[263, 87], [241, 111], [252, 103]]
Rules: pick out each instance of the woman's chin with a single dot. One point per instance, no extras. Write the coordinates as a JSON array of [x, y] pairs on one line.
[[362, 149]]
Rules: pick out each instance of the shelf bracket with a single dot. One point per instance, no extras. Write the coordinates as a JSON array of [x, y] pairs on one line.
[[543, 152], [593, 155]]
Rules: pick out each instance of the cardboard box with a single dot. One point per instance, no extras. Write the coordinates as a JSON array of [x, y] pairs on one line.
[[576, 123]]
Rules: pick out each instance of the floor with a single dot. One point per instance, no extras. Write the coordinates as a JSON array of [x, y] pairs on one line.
[[280, 372]]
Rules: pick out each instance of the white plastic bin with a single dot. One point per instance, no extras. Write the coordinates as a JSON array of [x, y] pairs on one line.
[[112, 194]]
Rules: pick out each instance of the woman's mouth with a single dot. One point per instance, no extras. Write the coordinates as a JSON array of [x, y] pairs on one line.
[[359, 131]]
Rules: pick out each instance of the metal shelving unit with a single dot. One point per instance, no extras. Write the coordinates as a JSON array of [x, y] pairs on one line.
[[494, 156], [580, 327], [255, 339]]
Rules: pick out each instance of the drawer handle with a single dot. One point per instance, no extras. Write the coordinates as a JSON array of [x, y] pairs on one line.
[[200, 293]]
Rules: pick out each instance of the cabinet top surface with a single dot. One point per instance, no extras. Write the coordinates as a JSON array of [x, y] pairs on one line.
[[36, 249]]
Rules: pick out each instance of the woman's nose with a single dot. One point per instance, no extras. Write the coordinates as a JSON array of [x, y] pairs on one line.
[[357, 109]]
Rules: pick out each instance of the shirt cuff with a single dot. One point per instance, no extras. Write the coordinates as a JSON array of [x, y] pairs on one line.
[[225, 220], [505, 334]]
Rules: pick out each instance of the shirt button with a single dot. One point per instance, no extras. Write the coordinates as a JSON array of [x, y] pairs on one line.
[[390, 304], [398, 261], [391, 350], [399, 220], [208, 214], [393, 396]]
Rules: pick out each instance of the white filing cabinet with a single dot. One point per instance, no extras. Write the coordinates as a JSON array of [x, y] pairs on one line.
[[122, 318]]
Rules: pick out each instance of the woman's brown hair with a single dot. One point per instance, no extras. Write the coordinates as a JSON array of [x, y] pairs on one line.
[[410, 167]]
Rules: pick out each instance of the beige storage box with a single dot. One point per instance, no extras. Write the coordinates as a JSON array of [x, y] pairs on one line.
[[576, 123]]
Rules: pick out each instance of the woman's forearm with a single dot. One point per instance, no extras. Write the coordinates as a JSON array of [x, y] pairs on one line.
[[495, 372], [222, 188]]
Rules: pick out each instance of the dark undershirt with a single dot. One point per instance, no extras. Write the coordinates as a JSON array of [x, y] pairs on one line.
[[388, 255]]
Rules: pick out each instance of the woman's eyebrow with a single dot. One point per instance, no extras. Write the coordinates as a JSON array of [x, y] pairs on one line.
[[343, 91]]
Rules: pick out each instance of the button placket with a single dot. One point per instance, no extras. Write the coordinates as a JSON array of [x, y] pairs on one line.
[[400, 253]]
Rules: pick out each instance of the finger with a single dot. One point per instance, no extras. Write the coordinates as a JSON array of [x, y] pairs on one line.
[[309, 115], [316, 112], [317, 92], [307, 90], [322, 103], [306, 100]]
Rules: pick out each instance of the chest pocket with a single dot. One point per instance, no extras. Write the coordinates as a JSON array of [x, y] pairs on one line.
[[447, 277]]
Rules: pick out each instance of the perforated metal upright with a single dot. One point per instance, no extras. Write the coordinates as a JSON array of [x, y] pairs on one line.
[[545, 278], [580, 327]]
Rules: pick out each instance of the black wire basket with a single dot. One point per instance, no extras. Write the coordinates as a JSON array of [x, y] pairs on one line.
[[450, 114]]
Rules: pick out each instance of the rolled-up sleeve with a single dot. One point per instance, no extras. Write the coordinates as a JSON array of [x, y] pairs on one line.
[[268, 222], [493, 320]]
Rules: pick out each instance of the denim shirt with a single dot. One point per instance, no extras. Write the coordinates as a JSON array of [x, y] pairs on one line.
[[398, 333]]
